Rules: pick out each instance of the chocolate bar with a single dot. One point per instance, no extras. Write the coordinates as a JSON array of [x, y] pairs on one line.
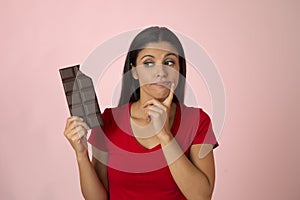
[[81, 96]]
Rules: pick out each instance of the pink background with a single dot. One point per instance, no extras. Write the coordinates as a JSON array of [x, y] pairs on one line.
[[254, 44]]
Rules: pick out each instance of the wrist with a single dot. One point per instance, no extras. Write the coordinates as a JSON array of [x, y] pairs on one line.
[[165, 138], [172, 151], [82, 156]]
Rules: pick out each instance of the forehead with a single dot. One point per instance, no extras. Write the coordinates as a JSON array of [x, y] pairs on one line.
[[158, 48]]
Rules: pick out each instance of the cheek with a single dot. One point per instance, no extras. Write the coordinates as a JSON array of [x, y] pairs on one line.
[[176, 81], [174, 76], [145, 76], [149, 75]]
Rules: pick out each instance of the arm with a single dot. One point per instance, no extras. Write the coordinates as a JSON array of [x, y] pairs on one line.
[[100, 167], [195, 177], [91, 186]]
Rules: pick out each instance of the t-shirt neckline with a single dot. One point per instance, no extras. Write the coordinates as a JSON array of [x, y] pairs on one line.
[[173, 129]]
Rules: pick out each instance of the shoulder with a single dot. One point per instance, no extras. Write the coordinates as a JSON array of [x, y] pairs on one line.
[[201, 123], [111, 115], [117, 108]]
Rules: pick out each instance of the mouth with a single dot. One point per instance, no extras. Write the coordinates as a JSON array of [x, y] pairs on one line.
[[166, 84]]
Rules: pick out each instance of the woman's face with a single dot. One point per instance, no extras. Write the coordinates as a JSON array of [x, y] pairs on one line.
[[157, 67]]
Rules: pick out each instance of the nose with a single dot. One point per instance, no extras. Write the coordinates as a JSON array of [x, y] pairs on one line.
[[161, 71]]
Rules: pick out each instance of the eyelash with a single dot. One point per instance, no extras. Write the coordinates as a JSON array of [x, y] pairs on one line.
[[150, 63], [147, 64], [169, 61]]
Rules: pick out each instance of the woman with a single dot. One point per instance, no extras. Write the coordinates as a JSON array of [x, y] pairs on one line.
[[149, 146]]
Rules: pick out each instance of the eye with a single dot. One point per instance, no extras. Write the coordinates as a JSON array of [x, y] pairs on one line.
[[169, 62], [148, 64]]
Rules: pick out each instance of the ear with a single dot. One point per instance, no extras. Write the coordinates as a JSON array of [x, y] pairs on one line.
[[134, 73]]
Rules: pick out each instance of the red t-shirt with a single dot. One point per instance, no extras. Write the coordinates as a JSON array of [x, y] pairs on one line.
[[135, 172]]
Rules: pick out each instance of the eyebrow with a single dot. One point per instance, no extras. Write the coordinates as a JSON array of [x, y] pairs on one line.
[[168, 54]]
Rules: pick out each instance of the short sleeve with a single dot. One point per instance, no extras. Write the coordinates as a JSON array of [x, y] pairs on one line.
[[97, 137], [205, 133]]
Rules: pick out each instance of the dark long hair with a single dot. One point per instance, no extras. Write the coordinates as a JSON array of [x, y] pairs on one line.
[[130, 91]]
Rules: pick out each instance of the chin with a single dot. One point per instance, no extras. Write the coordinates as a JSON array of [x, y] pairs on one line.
[[161, 97]]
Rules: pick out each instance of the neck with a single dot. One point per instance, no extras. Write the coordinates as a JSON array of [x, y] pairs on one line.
[[145, 97]]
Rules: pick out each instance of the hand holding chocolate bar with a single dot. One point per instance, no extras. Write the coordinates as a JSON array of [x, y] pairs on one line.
[[75, 129]]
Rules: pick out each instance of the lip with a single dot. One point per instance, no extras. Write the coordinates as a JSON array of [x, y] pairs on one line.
[[166, 84]]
